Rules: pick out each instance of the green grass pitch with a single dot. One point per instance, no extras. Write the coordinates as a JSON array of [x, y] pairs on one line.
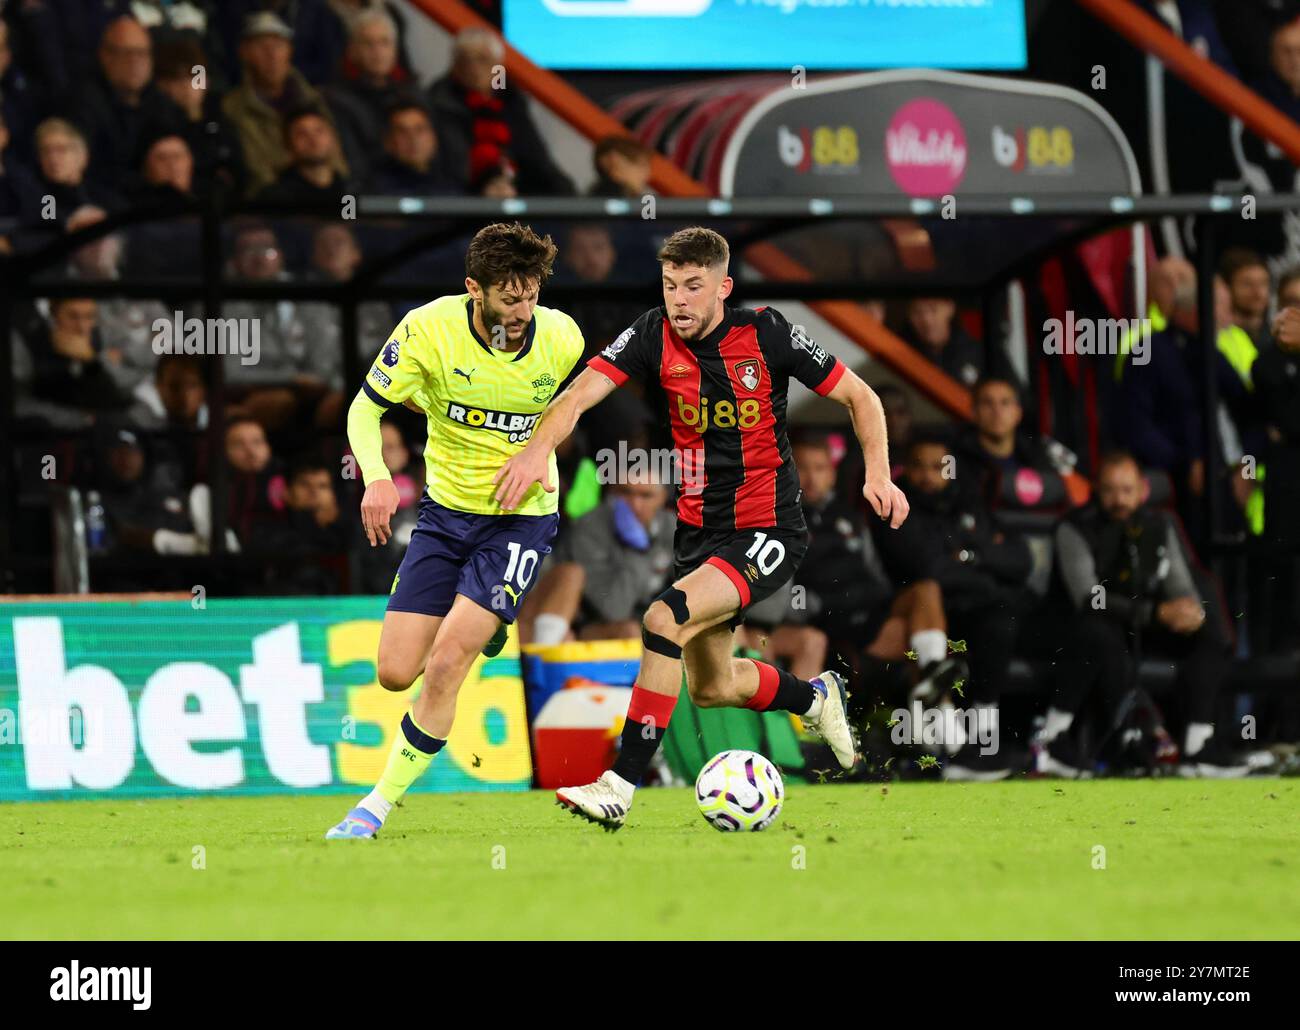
[[1183, 859]]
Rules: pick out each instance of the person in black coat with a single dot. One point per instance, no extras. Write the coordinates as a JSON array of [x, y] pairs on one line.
[[313, 176], [1129, 579], [410, 166], [118, 102], [949, 537], [1276, 375], [480, 126]]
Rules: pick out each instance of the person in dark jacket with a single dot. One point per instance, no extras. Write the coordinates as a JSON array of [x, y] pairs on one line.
[[1131, 586], [410, 164], [66, 366], [313, 175], [993, 445], [1276, 374], [63, 157], [369, 83], [480, 125], [932, 329], [20, 100], [118, 103], [319, 37], [20, 196], [305, 548], [197, 117], [950, 537]]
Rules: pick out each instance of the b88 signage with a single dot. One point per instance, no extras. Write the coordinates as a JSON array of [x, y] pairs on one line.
[[1038, 148]]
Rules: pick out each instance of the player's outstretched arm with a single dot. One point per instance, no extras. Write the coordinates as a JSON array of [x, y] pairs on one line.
[[532, 464], [868, 416], [381, 498]]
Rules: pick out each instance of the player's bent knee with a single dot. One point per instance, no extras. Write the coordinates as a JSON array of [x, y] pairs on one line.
[[395, 677], [659, 620]]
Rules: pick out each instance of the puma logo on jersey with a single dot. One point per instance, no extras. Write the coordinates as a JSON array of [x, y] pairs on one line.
[[467, 375], [514, 594]]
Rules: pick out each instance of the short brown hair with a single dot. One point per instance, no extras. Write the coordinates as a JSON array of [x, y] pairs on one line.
[[695, 246], [1235, 259], [504, 255]]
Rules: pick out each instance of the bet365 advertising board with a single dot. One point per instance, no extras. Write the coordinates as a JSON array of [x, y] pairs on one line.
[[250, 696]]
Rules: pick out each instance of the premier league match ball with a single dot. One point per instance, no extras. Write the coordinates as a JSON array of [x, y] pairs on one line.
[[739, 790]]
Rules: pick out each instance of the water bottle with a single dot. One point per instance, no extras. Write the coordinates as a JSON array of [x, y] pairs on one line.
[[96, 524]]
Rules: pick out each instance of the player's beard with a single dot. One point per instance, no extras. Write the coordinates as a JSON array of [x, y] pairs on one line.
[[696, 329], [494, 322]]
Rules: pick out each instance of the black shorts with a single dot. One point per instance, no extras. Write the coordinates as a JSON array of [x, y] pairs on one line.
[[758, 561]]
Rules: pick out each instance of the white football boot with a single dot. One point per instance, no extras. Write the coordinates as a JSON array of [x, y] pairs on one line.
[[832, 722], [602, 802]]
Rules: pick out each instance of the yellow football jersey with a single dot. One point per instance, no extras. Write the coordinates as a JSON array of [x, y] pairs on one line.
[[482, 404]]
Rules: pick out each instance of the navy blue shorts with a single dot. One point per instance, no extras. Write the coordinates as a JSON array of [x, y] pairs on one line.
[[491, 559]]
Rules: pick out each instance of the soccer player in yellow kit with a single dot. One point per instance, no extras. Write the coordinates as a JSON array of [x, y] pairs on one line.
[[482, 367]]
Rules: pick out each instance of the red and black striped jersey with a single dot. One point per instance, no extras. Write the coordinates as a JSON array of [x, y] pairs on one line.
[[727, 395]]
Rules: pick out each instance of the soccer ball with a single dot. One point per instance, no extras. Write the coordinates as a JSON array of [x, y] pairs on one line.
[[739, 790]]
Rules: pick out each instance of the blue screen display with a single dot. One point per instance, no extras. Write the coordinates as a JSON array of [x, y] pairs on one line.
[[768, 34]]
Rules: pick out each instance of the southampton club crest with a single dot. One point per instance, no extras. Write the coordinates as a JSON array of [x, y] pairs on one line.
[[750, 374]]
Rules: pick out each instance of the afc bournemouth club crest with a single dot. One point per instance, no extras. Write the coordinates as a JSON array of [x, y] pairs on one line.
[[750, 374]]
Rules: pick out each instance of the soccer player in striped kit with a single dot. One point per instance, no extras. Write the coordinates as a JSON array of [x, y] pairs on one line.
[[741, 533]]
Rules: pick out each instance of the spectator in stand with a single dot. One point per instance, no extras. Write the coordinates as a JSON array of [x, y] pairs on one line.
[[348, 11], [20, 195], [125, 323], [191, 23], [182, 75], [146, 512], [1277, 390], [949, 537], [899, 424], [481, 122], [294, 374], [622, 168], [410, 164], [371, 81], [318, 34], [62, 158], [932, 329], [335, 257], [118, 103], [304, 549], [1159, 416], [271, 88], [1132, 558], [255, 489], [176, 398], [379, 564], [845, 592], [315, 156], [993, 446], [1250, 287], [1280, 84], [1288, 290], [166, 170], [589, 257], [609, 565], [68, 371], [20, 104]]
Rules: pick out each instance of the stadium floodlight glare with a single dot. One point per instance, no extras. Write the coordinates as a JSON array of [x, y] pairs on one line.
[[627, 8]]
